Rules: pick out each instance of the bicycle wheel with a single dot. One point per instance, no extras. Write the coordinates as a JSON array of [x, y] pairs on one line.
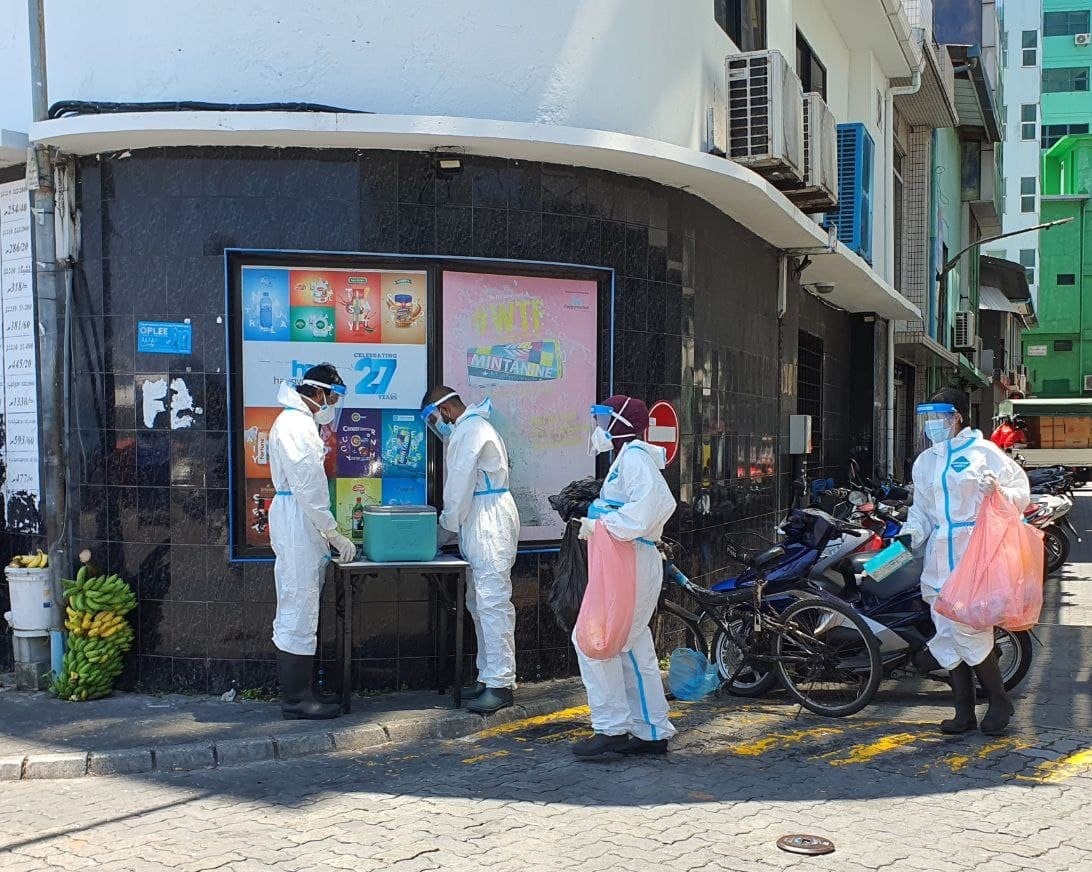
[[674, 627], [827, 658], [752, 681]]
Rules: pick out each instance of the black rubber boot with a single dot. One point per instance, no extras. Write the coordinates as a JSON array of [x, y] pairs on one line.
[[493, 699], [1001, 708], [297, 699], [600, 743], [317, 690], [473, 692], [644, 746], [963, 689]]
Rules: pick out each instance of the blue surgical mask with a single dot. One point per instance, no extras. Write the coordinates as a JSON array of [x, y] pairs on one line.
[[937, 431]]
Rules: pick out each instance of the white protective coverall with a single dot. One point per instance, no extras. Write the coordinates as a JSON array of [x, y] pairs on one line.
[[626, 693], [300, 514], [947, 498], [479, 507]]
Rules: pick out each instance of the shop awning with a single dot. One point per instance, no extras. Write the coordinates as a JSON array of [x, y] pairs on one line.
[[1071, 406], [731, 188], [993, 300]]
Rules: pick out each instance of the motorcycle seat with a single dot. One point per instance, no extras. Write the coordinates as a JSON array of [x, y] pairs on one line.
[[770, 555]]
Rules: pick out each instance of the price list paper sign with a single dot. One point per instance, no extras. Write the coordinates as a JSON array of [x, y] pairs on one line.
[[19, 424]]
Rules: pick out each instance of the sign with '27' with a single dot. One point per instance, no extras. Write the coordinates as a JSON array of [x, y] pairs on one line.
[[383, 377]]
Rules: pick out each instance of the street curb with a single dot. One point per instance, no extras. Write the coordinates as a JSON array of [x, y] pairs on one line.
[[385, 730]]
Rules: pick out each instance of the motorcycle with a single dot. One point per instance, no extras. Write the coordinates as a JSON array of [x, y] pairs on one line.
[[902, 622]]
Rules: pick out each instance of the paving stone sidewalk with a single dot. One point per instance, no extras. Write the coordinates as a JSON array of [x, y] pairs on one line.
[[125, 734]]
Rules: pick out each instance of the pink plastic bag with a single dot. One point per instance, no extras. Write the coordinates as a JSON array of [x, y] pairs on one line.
[[606, 612], [999, 580]]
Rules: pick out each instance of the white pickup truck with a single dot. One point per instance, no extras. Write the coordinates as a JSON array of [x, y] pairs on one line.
[[1059, 433]]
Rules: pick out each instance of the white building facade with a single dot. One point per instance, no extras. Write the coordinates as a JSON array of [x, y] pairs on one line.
[[1021, 71]]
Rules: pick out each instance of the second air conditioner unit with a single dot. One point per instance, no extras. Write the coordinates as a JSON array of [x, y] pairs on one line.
[[965, 332], [1082, 39], [765, 115], [818, 192]]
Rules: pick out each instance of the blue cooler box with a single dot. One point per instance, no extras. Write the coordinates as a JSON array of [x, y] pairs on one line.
[[399, 533]]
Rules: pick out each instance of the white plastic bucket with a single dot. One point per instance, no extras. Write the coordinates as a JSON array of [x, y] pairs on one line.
[[34, 611]]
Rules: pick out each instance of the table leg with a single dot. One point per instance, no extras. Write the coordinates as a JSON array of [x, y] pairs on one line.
[[460, 607], [347, 642]]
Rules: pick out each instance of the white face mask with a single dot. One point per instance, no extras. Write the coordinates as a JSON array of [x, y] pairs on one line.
[[601, 439], [324, 412]]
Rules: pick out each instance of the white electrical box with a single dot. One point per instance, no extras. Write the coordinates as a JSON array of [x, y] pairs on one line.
[[799, 434]]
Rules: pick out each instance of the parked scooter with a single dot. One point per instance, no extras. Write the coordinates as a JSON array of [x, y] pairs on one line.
[[903, 622]]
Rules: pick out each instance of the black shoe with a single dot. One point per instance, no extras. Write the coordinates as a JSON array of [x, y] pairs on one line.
[[644, 746], [297, 699], [473, 692], [963, 688], [493, 699], [600, 743], [1001, 708]]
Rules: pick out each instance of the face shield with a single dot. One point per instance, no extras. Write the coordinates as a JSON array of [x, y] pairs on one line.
[[434, 420], [327, 410], [603, 420], [936, 422]]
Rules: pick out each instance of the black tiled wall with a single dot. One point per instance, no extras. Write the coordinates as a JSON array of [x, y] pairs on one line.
[[696, 324]]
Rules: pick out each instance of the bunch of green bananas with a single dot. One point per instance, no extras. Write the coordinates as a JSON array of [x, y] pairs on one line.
[[99, 594], [99, 635], [89, 669]]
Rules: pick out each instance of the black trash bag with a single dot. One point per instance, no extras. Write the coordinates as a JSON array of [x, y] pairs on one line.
[[575, 497], [571, 573], [570, 578]]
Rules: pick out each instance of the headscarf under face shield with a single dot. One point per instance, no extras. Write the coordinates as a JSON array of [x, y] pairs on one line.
[[434, 420], [936, 422]]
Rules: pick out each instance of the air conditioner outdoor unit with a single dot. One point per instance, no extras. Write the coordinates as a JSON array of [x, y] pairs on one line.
[[1088, 382], [818, 192], [965, 332], [765, 115], [1082, 39]]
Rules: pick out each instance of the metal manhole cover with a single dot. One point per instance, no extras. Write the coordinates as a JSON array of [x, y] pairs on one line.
[[799, 843]]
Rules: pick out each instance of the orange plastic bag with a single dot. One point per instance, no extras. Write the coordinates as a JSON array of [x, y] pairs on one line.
[[606, 612], [999, 580]]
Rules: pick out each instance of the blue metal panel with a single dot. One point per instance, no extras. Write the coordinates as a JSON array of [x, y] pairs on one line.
[[856, 168]]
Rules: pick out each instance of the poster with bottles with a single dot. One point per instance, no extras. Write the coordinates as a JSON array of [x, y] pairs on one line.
[[368, 323], [530, 344]]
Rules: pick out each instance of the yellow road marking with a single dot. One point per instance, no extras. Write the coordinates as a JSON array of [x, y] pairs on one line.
[[569, 714], [1057, 771], [958, 762], [868, 751], [492, 755], [758, 747]]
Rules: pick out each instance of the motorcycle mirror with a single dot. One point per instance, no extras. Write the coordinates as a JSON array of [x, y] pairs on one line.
[[857, 498]]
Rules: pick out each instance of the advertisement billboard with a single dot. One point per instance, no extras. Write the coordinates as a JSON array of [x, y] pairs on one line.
[[371, 325], [529, 343]]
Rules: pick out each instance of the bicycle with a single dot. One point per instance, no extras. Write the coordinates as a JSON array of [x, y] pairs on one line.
[[824, 654]]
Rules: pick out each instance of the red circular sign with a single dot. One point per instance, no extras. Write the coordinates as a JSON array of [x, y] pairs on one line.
[[663, 428]]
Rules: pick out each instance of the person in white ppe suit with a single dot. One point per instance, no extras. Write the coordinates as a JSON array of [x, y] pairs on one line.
[[952, 476], [629, 711], [479, 509], [302, 531]]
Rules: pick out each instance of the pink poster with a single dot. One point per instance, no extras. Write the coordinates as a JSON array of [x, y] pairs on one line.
[[529, 344]]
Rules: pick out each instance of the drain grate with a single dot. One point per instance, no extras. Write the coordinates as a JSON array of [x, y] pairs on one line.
[[798, 843]]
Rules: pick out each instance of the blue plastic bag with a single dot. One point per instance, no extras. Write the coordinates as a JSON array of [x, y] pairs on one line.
[[690, 675]]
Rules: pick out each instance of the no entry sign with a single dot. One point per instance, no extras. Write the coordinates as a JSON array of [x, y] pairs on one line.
[[663, 428]]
